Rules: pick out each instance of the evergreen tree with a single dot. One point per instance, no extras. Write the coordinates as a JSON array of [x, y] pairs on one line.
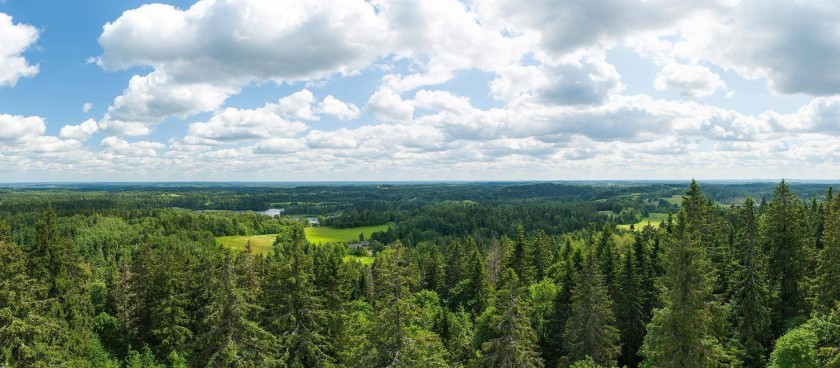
[[230, 337], [679, 335], [519, 258], [541, 255], [826, 286], [552, 347], [29, 337], [590, 330], [514, 344], [783, 235], [631, 314], [296, 311], [750, 293], [396, 276]]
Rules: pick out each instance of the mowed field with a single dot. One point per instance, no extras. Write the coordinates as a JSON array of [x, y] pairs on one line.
[[320, 235], [315, 235], [260, 244], [653, 218]]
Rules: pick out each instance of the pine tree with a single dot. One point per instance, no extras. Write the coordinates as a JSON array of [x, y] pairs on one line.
[[679, 334], [590, 330], [783, 235], [826, 286], [514, 344], [750, 293]]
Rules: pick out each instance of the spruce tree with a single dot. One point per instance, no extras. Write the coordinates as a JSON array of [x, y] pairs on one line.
[[590, 330], [679, 335], [826, 285], [541, 255], [231, 338], [631, 316], [297, 314], [783, 234], [750, 293], [515, 341]]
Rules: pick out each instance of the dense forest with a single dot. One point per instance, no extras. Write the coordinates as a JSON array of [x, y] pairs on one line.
[[468, 275]]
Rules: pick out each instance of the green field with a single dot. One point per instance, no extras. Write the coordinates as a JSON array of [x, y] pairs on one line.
[[315, 235], [675, 199], [654, 219], [261, 244], [367, 260], [319, 235]]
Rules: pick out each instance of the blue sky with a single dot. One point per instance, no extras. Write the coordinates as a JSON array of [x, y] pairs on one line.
[[266, 90]]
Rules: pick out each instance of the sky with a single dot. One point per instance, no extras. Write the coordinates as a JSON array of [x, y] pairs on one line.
[[385, 90]]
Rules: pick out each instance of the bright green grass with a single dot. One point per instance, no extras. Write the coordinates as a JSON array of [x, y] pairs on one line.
[[319, 235], [654, 218], [675, 199], [260, 244], [365, 260]]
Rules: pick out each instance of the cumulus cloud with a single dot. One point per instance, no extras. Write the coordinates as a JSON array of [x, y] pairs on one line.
[[14, 40], [14, 128], [340, 109], [148, 100], [121, 147], [80, 132], [297, 105], [86, 107], [690, 80], [231, 125], [388, 106]]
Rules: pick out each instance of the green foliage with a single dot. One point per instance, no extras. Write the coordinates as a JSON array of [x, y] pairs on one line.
[[514, 344], [590, 329], [750, 293], [795, 349], [679, 335]]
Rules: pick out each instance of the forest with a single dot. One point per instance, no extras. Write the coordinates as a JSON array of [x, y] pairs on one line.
[[546, 274]]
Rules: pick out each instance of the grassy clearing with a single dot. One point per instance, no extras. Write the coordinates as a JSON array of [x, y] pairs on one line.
[[675, 199], [320, 235], [365, 260], [260, 244], [654, 219]]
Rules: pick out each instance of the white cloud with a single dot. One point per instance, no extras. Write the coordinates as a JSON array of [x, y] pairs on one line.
[[231, 125], [121, 147], [297, 106], [15, 128], [148, 100], [86, 107], [388, 106], [80, 132], [14, 40], [340, 109], [690, 80]]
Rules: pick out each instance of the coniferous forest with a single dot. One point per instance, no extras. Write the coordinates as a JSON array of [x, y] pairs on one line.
[[578, 275]]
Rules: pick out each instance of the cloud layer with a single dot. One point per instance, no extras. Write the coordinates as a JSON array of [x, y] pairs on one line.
[[552, 100]]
